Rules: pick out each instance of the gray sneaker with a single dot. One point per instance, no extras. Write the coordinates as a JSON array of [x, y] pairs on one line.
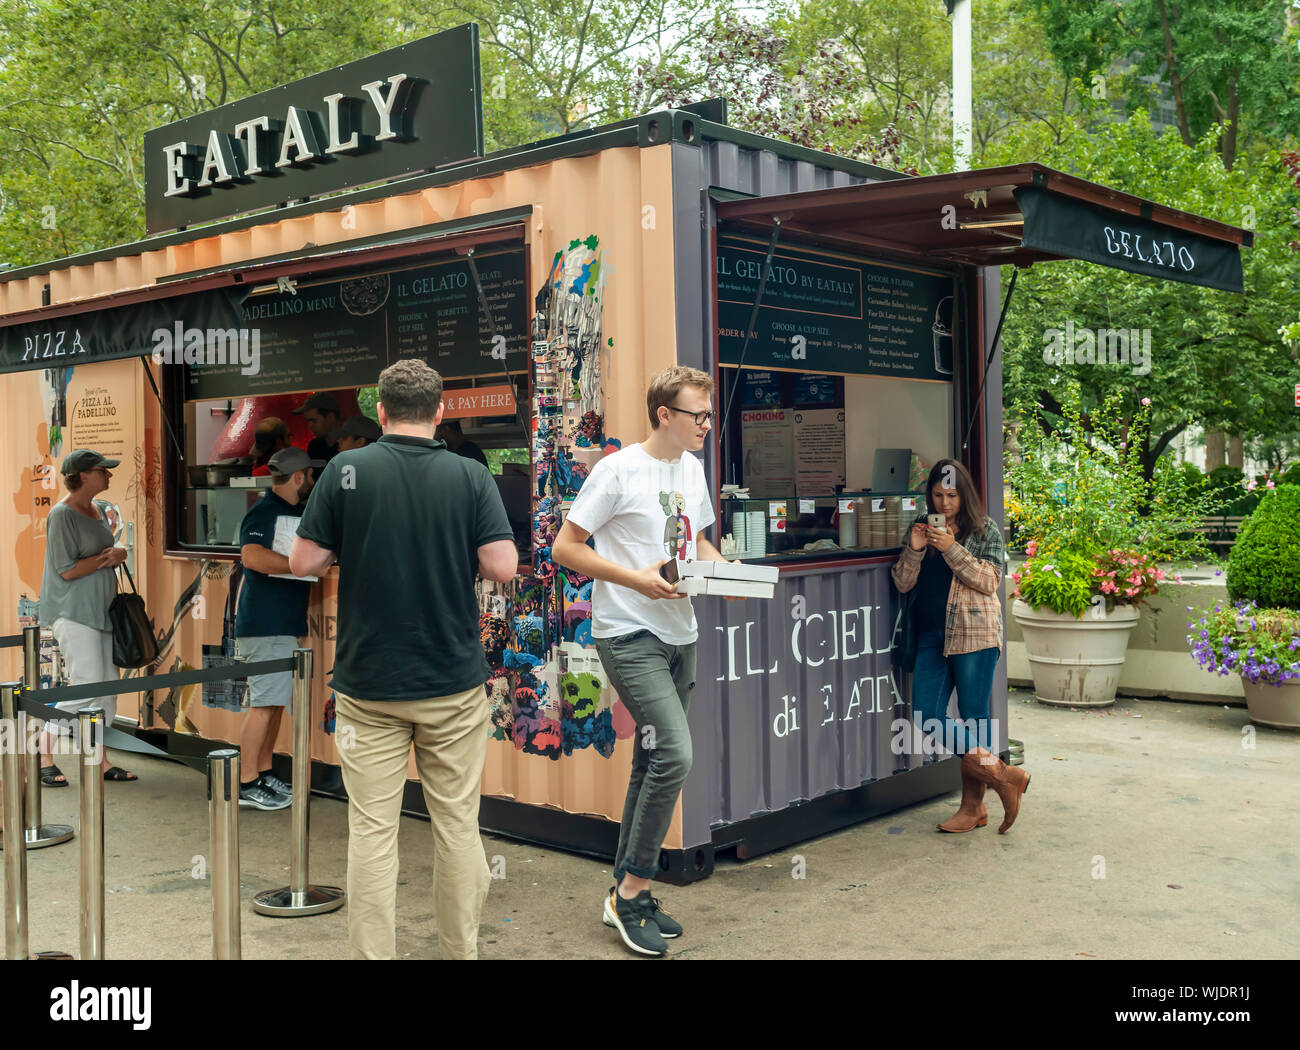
[[270, 780], [257, 796]]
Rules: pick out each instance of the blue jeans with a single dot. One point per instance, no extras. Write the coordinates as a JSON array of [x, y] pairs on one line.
[[654, 680], [932, 684]]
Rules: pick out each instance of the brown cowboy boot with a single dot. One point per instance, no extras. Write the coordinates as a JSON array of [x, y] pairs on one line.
[[972, 813], [1010, 782]]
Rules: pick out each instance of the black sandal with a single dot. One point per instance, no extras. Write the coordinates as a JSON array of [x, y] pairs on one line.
[[117, 773], [48, 773]]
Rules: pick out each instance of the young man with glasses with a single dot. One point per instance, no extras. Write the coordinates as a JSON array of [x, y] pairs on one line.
[[642, 506]]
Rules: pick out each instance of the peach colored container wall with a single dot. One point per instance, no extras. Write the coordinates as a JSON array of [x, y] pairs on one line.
[[602, 194]]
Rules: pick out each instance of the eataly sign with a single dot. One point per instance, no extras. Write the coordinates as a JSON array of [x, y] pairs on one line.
[[250, 150]]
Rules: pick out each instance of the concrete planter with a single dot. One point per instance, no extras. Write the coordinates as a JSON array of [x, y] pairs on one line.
[[1075, 661], [1276, 706]]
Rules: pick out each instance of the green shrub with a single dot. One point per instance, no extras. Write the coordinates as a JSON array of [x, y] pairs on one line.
[[1062, 581], [1264, 566]]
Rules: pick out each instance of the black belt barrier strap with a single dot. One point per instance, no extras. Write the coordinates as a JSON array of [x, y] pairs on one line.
[[158, 681], [116, 738], [8, 641]]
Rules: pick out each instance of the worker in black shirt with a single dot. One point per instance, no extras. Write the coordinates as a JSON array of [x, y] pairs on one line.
[[449, 432], [270, 617], [323, 416], [356, 432]]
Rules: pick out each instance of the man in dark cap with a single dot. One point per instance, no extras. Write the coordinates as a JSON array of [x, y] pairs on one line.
[[322, 413], [356, 432], [270, 617]]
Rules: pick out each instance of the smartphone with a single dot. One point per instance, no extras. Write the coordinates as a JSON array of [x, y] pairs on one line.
[[937, 521], [668, 570]]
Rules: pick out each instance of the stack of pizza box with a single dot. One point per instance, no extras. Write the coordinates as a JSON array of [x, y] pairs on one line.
[[727, 579]]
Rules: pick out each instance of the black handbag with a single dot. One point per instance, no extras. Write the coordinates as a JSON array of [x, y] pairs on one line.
[[134, 642]]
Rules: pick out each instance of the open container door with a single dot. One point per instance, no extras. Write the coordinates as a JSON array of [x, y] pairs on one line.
[[803, 721]]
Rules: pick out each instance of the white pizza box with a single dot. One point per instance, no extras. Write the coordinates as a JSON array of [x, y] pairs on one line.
[[741, 571], [713, 587], [729, 571], [738, 588]]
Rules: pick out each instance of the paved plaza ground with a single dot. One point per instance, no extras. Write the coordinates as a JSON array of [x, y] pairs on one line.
[[1149, 831]]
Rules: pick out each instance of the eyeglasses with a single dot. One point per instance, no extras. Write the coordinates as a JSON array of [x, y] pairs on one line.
[[700, 417]]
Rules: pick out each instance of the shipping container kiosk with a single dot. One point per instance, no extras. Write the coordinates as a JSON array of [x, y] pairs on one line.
[[842, 308]]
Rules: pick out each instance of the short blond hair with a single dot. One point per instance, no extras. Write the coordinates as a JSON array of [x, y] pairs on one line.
[[667, 383]]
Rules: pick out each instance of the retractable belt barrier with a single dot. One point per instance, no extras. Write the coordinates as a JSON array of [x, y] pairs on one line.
[[31, 701], [221, 768]]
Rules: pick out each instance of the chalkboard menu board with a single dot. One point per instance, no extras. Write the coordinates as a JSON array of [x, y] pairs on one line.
[[344, 332], [833, 314]]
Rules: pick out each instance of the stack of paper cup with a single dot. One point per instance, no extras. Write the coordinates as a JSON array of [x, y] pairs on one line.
[[748, 530], [849, 524], [893, 527]]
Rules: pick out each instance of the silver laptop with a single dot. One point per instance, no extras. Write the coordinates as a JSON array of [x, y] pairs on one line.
[[892, 470]]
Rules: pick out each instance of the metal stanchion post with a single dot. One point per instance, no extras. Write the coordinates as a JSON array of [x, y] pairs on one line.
[[15, 859], [300, 897], [223, 819], [38, 834], [90, 723]]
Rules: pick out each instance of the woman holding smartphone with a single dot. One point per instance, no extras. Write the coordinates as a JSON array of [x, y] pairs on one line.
[[953, 562]]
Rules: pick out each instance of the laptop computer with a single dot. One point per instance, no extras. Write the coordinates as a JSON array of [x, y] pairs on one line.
[[891, 471]]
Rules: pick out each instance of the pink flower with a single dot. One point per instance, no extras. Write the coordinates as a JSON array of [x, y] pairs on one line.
[[1146, 401], [1270, 483], [1016, 576], [1250, 485], [1031, 548], [1109, 588], [1131, 591], [1178, 577]]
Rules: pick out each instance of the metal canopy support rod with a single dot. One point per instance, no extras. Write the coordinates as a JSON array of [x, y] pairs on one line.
[[37, 832], [486, 307], [993, 348], [180, 452], [753, 317], [300, 897]]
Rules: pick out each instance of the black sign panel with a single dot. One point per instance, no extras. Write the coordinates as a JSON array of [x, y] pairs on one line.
[[411, 108], [1078, 230], [833, 314], [127, 331], [344, 332]]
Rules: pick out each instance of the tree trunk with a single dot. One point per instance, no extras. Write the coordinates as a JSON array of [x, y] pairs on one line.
[[1214, 457], [1235, 451]]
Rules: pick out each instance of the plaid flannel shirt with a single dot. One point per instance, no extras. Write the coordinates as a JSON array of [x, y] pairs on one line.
[[974, 619]]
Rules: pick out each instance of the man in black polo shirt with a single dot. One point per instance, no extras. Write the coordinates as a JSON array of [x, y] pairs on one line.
[[410, 525], [270, 617]]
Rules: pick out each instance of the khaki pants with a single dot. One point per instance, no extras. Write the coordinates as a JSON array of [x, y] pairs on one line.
[[450, 737]]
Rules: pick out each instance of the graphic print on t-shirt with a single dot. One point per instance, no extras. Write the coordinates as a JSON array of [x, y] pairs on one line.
[[677, 529]]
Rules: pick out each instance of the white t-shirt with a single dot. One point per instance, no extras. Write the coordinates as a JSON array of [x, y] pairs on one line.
[[641, 510]]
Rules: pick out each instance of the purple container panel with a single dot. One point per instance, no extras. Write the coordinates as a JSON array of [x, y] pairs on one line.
[[795, 696]]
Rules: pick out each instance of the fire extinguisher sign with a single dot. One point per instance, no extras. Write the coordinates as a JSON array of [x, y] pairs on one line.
[[1297, 395]]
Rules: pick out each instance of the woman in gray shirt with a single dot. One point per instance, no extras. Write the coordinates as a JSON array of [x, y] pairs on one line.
[[77, 588]]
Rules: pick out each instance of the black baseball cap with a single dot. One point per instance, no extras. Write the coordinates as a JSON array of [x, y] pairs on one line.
[[321, 402], [288, 460], [85, 459], [358, 426]]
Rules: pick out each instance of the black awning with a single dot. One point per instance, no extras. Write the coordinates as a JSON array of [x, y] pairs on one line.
[[1076, 229], [115, 333], [1020, 214]]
